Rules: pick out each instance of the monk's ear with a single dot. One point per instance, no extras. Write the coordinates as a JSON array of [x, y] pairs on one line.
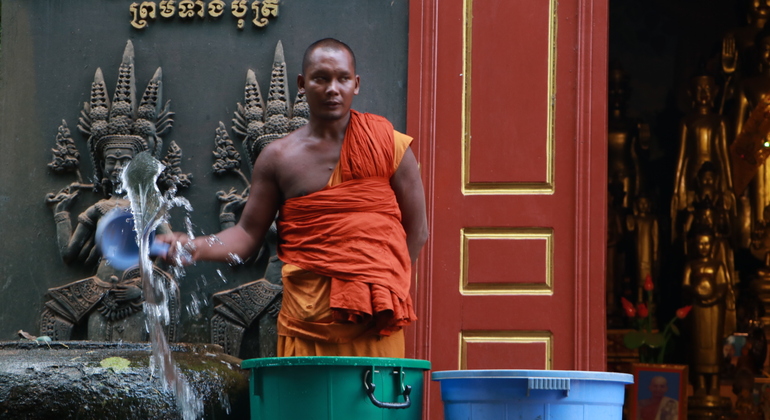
[[358, 85], [301, 83]]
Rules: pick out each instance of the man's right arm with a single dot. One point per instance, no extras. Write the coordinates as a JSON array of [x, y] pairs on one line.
[[243, 240]]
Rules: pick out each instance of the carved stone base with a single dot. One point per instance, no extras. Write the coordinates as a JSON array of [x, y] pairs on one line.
[[91, 303], [708, 407], [240, 311]]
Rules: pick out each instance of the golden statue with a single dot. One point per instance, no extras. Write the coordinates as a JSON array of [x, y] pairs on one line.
[[621, 139], [706, 284], [615, 260], [752, 92], [712, 210], [738, 43], [703, 138], [644, 226]]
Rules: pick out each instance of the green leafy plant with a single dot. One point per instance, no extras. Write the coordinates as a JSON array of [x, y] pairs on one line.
[[650, 342]]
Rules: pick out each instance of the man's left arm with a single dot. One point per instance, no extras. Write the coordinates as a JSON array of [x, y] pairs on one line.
[[407, 185]]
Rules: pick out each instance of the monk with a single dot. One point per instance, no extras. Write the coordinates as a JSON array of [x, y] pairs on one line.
[[351, 220], [658, 406]]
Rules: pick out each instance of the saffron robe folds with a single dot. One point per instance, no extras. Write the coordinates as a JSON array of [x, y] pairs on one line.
[[348, 272]]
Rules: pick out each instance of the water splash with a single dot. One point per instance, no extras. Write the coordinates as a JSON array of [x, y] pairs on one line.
[[149, 208], [234, 259], [194, 307], [224, 400], [221, 276], [212, 240]]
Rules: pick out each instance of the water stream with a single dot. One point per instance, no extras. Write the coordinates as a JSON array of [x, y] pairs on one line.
[[149, 208]]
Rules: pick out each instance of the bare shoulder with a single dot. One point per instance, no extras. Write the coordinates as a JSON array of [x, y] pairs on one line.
[[276, 154]]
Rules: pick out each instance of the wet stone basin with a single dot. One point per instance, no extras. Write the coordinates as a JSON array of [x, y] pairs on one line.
[[68, 380]]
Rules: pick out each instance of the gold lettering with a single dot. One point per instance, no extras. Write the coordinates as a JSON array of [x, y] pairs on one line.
[[258, 19], [167, 8], [145, 11], [141, 13], [270, 7], [239, 9], [186, 9], [216, 8]]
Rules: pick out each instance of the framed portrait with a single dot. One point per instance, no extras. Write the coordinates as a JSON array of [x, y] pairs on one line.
[[659, 392]]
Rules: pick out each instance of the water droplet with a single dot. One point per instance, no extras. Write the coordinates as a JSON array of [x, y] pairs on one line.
[[221, 276], [234, 259]]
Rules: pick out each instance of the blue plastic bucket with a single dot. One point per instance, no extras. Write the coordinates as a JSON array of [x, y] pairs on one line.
[[532, 394]]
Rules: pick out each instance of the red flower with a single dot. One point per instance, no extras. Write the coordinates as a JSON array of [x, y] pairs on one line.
[[648, 286], [641, 309], [682, 312], [628, 307]]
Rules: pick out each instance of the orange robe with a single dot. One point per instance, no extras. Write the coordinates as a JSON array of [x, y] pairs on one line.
[[348, 272]]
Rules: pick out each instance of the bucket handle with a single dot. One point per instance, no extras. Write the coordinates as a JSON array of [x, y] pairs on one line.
[[551, 384], [370, 386]]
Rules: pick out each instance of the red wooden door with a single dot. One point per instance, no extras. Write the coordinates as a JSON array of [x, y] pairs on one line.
[[507, 100]]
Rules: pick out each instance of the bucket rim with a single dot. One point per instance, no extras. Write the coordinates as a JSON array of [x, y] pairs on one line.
[[527, 374], [334, 361]]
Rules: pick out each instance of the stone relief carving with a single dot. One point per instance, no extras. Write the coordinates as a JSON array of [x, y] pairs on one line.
[[108, 304], [254, 305]]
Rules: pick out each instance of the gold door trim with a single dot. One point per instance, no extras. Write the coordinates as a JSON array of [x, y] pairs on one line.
[[507, 188], [509, 289], [510, 337]]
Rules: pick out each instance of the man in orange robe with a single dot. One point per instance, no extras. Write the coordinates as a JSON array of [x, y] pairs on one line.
[[351, 223]]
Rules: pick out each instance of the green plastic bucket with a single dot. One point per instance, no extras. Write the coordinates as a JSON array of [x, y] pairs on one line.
[[336, 388]]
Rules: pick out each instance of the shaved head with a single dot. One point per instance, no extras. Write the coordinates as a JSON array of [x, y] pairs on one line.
[[330, 44]]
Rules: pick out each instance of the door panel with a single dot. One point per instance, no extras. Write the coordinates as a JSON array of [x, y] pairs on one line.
[[507, 103]]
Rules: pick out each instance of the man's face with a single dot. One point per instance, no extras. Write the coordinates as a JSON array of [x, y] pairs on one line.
[[330, 83], [115, 159], [658, 387]]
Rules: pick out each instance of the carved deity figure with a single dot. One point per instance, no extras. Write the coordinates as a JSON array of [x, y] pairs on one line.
[[703, 138], [622, 139], [643, 224], [109, 304], [705, 283], [244, 320]]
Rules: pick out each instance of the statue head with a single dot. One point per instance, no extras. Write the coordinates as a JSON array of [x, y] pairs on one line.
[[702, 91], [762, 48], [617, 88], [643, 204], [125, 126], [113, 154], [758, 12], [706, 180], [703, 238], [658, 386]]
